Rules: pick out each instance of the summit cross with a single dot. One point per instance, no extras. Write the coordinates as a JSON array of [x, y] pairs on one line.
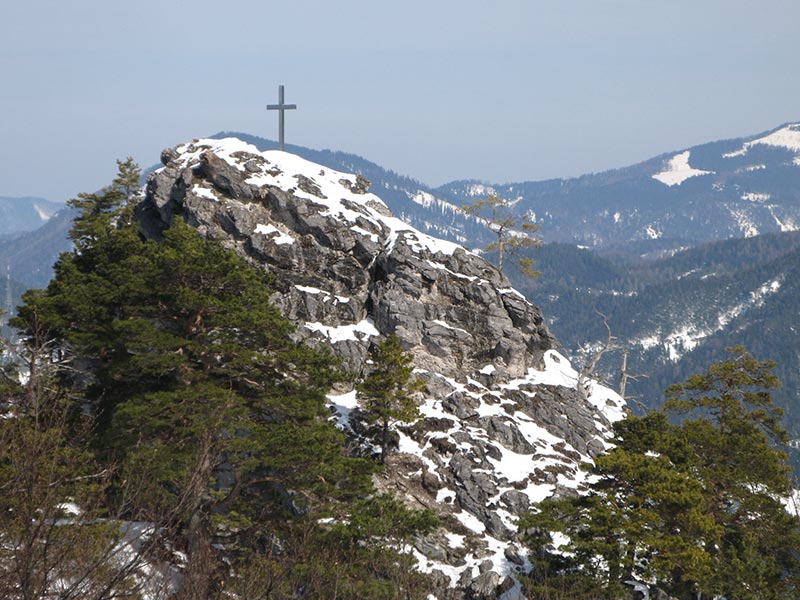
[[282, 108]]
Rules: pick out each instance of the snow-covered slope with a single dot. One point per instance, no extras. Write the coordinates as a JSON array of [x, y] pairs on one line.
[[787, 137], [505, 421]]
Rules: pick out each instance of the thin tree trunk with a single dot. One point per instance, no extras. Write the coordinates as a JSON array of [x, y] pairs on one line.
[[385, 440], [623, 378], [500, 245], [197, 576]]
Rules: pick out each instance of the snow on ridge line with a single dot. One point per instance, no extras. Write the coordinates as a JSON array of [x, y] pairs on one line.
[[283, 170], [678, 170], [321, 186], [787, 137]]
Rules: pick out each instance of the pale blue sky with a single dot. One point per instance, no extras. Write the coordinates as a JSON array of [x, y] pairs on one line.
[[437, 89]]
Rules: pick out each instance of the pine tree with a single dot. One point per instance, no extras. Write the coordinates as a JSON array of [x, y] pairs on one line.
[[696, 507], [514, 232], [388, 389], [214, 417], [196, 382], [731, 433], [640, 519], [100, 211]]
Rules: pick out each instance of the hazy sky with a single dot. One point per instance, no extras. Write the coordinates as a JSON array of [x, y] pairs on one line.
[[503, 90]]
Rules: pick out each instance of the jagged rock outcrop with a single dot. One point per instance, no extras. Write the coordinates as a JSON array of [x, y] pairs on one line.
[[503, 425]]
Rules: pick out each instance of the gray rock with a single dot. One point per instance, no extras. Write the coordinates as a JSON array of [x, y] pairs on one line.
[[484, 587], [337, 277], [507, 434], [461, 405], [433, 549], [513, 556], [517, 502]]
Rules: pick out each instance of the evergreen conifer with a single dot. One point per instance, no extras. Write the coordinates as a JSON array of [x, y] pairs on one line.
[[388, 389], [214, 419], [698, 508]]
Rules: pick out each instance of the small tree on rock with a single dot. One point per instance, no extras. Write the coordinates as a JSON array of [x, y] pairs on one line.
[[388, 389], [515, 232]]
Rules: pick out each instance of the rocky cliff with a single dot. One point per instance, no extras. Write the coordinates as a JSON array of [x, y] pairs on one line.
[[504, 424]]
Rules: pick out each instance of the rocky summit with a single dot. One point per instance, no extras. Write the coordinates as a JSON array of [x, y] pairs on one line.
[[506, 421]]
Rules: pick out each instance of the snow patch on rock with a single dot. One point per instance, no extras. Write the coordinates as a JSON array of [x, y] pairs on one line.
[[274, 233], [342, 333], [337, 193]]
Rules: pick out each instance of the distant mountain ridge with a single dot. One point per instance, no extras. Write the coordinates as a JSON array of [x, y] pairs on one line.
[[25, 214], [730, 188], [718, 190], [725, 189]]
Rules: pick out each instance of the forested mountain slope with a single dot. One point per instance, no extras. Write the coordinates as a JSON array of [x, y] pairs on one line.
[[676, 314]]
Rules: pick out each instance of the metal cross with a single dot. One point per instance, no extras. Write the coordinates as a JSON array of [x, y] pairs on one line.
[[282, 108]]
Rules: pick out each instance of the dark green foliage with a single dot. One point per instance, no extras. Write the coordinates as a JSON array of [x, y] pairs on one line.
[[695, 507], [99, 211], [215, 418], [744, 478], [340, 559], [388, 389]]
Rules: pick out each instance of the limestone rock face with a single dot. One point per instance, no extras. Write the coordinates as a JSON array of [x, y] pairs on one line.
[[503, 425]]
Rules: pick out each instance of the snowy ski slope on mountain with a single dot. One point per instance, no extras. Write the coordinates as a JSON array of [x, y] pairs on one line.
[[678, 170], [330, 188]]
